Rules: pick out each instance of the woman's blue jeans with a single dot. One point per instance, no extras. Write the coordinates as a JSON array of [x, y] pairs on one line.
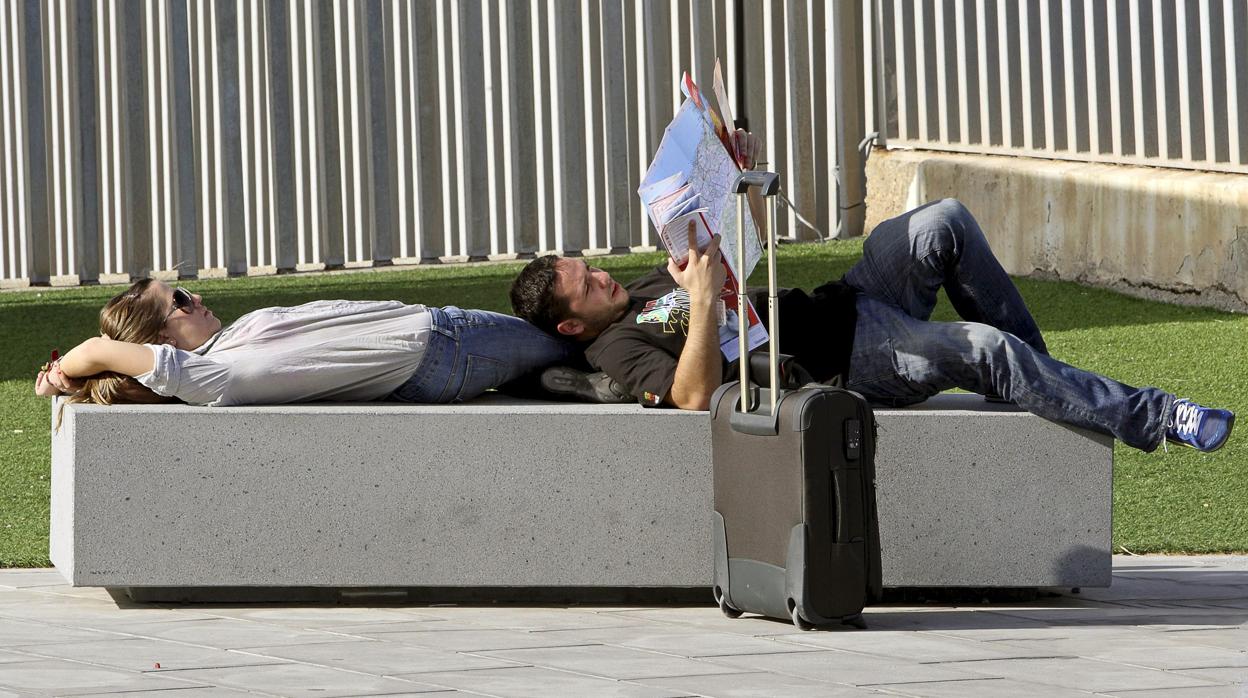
[[900, 357], [471, 351]]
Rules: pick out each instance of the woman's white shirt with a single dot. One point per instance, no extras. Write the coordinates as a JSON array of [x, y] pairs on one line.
[[324, 350]]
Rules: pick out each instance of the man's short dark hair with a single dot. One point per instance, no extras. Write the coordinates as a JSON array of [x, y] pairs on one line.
[[533, 295]]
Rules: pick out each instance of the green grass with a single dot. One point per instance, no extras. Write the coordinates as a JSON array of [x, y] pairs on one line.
[[1182, 501]]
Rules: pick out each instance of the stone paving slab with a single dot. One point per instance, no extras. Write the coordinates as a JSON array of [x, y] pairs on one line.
[[538, 682], [1170, 626], [982, 688], [137, 654], [758, 684], [63, 678], [226, 633]]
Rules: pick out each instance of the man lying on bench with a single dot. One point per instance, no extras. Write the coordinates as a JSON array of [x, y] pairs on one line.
[[871, 330]]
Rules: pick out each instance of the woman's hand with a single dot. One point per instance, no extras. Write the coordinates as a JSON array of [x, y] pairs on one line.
[[53, 382]]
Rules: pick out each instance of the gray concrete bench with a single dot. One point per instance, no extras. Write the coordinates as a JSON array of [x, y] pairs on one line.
[[510, 493]]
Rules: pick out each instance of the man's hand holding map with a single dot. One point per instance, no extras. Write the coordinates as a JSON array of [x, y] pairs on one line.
[[690, 180]]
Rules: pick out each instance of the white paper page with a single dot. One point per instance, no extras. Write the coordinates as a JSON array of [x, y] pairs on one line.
[[675, 234]]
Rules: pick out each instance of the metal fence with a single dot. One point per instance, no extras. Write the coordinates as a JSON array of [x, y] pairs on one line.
[[1145, 82], [249, 135]]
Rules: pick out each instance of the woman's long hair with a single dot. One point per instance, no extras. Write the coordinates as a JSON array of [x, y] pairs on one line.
[[130, 316]]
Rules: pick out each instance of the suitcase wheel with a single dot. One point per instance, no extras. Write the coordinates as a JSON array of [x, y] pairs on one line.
[[723, 604], [798, 620]]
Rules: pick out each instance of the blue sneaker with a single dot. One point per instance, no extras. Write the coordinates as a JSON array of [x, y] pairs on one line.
[[1203, 428]]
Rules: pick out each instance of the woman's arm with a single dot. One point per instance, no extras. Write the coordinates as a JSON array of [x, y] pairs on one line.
[[99, 354]]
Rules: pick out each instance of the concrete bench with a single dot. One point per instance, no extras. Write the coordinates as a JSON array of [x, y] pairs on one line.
[[503, 492]]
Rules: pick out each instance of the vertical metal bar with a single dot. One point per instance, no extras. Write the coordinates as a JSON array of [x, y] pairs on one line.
[[882, 72], [1206, 73], [592, 110], [805, 158], [397, 123], [1024, 41], [823, 115], [616, 128], [658, 57], [86, 131], [428, 147], [849, 93], [290, 145], [288, 136], [184, 143], [13, 193], [981, 39], [1004, 41], [899, 43], [361, 131], [329, 145], [115, 195], [248, 112], [266, 219], [920, 68], [231, 139], [942, 78], [964, 99], [702, 31], [1046, 72], [1068, 63], [775, 90], [168, 161], [1137, 80], [1185, 105], [474, 179], [743, 349], [773, 303], [204, 109], [752, 90], [1232, 85], [52, 106], [1090, 36], [1115, 78], [138, 218], [569, 130], [497, 231], [522, 129], [449, 177], [1159, 68], [543, 162], [379, 102], [638, 115]]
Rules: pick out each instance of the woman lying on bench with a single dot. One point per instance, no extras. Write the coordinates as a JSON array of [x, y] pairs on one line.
[[158, 343]]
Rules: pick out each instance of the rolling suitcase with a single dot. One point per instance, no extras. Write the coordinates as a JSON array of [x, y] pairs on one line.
[[795, 532]]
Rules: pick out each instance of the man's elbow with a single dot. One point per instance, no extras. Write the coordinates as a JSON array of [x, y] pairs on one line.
[[699, 401]]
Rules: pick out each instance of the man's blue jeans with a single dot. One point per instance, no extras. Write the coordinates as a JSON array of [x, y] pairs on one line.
[[900, 357], [471, 351]]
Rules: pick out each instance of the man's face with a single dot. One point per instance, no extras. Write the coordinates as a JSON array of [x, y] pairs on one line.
[[593, 298]]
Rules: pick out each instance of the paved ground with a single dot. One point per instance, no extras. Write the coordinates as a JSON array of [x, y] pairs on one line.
[[1169, 626]]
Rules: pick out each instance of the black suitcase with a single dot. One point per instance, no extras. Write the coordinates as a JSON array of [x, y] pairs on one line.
[[795, 532]]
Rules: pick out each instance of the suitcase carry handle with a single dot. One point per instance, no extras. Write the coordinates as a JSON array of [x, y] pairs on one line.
[[768, 184]]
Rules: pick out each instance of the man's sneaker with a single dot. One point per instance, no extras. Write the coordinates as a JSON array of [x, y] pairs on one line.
[[589, 387], [1203, 428]]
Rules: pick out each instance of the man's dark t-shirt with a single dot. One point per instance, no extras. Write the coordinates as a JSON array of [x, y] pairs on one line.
[[641, 349]]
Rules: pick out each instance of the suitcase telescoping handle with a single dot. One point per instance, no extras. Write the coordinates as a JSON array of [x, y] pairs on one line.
[[768, 184]]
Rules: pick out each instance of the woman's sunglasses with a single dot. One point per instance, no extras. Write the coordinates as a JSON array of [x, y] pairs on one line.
[[182, 300]]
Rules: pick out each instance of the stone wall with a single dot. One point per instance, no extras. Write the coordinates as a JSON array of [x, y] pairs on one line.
[[1174, 235]]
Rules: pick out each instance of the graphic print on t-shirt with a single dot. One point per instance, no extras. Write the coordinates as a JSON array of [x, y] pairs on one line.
[[671, 311]]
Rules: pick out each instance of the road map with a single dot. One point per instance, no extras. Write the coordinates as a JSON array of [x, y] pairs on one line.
[[691, 176]]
